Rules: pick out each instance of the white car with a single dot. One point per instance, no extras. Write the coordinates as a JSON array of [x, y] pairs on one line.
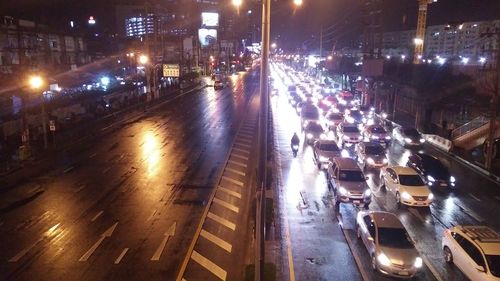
[[348, 134], [475, 250], [407, 185]]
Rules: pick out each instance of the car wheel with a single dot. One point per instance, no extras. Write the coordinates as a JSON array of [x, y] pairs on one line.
[[374, 263], [448, 256]]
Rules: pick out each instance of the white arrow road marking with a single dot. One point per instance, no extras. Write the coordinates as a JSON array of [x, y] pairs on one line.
[[159, 250], [21, 254], [120, 257], [94, 247]]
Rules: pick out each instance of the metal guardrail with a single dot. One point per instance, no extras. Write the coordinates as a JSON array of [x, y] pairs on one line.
[[470, 126]]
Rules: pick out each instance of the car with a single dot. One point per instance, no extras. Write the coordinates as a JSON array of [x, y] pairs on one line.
[[354, 117], [332, 120], [377, 133], [389, 245], [432, 169], [218, 84], [326, 103], [313, 132], [407, 185], [371, 155], [408, 136], [348, 134], [475, 250], [348, 182], [294, 100], [324, 151], [309, 114]]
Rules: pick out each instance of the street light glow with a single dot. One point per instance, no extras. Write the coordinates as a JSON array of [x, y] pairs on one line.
[[273, 45], [330, 57], [418, 41], [297, 2], [36, 82], [465, 60], [143, 59], [482, 59], [237, 3]]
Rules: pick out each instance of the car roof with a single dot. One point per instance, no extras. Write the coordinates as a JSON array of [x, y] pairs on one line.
[[346, 163], [385, 219], [327, 142], [485, 237], [401, 170]]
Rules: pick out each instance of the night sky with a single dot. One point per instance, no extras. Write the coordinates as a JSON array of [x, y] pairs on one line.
[[340, 18]]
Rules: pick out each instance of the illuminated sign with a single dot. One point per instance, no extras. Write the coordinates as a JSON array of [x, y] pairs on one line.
[[209, 19], [207, 37], [171, 70]]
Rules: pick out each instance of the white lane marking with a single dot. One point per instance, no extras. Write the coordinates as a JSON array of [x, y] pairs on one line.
[[414, 212], [106, 170], [209, 265], [227, 205], [470, 213], [243, 145], [242, 140], [474, 197], [364, 275], [221, 220], [230, 192], [216, 240], [235, 171], [92, 155], [152, 215], [239, 156], [120, 257], [21, 254], [241, 150], [80, 188], [241, 164], [431, 268], [68, 169], [97, 216], [237, 182], [170, 232], [94, 247]]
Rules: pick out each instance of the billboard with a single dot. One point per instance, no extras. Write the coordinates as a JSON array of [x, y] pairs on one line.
[[171, 70], [209, 19], [207, 36]]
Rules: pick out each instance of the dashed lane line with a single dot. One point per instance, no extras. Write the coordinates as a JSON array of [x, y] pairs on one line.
[[97, 216], [209, 265], [235, 171], [120, 257], [241, 150], [241, 164], [230, 192], [474, 197], [226, 205], [222, 221], [243, 145], [216, 240], [239, 156], [237, 182]]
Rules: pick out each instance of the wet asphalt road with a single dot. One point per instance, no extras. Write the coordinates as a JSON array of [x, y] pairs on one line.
[[322, 250], [107, 212]]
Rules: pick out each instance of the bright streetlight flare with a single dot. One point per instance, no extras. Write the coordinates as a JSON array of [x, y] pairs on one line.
[[273, 45], [36, 82], [143, 59], [418, 41], [297, 2], [237, 3]]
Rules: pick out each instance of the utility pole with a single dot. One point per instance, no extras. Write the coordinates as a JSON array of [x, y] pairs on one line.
[[493, 102]]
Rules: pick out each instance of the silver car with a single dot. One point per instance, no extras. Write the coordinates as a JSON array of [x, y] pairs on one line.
[[390, 247], [348, 182], [371, 155], [324, 151]]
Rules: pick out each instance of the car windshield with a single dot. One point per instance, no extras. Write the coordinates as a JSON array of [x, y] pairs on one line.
[[411, 180], [351, 129], [394, 238], [334, 116], [329, 147], [310, 114], [346, 175], [494, 264], [435, 168], [292, 88], [378, 130], [411, 132], [374, 150], [356, 114], [313, 127]]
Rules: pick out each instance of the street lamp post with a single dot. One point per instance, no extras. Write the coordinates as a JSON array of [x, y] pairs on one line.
[[36, 83]]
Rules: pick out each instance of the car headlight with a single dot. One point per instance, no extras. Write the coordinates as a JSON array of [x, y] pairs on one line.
[[408, 140], [323, 158], [405, 195], [418, 262], [350, 120], [345, 137], [430, 178], [322, 136], [422, 140], [388, 137], [385, 160], [360, 137], [344, 153], [383, 259], [431, 196], [452, 179], [367, 193], [309, 136], [364, 120], [374, 137], [384, 115], [342, 191], [369, 160]]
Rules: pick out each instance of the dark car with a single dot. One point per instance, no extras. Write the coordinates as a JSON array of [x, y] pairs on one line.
[[408, 136], [313, 132], [435, 172]]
